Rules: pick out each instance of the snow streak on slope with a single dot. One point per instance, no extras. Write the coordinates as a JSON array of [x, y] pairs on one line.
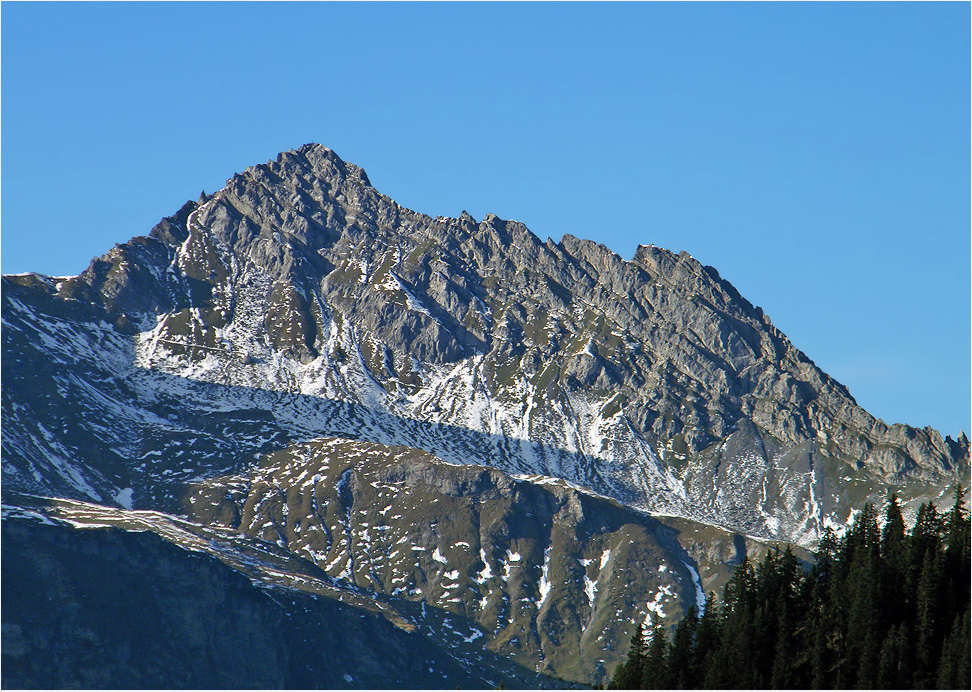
[[452, 414]]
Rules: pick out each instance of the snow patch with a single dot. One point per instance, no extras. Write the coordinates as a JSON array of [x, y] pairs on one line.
[[486, 572], [656, 606], [473, 637], [124, 497], [590, 588], [544, 586], [699, 591]]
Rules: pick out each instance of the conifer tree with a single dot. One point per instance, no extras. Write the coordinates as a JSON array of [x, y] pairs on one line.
[[905, 652], [888, 661], [655, 673], [893, 533], [948, 676], [926, 662], [680, 658], [784, 653], [883, 608], [820, 657], [707, 634], [627, 676]]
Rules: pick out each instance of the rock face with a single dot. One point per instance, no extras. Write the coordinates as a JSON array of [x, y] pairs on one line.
[[182, 370]]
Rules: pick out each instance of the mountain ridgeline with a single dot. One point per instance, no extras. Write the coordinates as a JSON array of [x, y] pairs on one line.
[[497, 443]]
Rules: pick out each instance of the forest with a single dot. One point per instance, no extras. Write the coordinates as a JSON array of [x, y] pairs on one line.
[[880, 607]]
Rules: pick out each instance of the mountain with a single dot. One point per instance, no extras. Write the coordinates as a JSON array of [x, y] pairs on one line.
[[273, 362]]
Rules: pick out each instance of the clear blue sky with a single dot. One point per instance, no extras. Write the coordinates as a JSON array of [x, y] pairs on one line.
[[816, 154]]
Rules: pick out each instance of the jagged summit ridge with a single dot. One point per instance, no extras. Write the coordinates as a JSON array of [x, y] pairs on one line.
[[651, 380]]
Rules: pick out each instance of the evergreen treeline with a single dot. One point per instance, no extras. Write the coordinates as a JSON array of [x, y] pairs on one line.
[[880, 608]]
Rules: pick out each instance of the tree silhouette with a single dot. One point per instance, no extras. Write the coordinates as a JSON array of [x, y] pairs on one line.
[[879, 607]]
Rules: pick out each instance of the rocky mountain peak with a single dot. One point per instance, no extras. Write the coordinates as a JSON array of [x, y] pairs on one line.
[[490, 441], [650, 367]]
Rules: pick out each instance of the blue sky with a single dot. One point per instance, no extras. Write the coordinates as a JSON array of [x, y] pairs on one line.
[[816, 154]]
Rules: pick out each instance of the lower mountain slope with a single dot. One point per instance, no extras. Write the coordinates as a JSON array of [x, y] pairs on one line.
[[513, 577], [114, 609]]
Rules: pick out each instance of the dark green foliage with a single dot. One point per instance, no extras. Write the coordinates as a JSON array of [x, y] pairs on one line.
[[680, 659], [655, 674], [880, 608], [627, 676]]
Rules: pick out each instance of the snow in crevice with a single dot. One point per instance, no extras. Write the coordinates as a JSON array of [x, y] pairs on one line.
[[413, 301], [486, 572], [590, 590], [605, 557], [699, 591], [544, 585]]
